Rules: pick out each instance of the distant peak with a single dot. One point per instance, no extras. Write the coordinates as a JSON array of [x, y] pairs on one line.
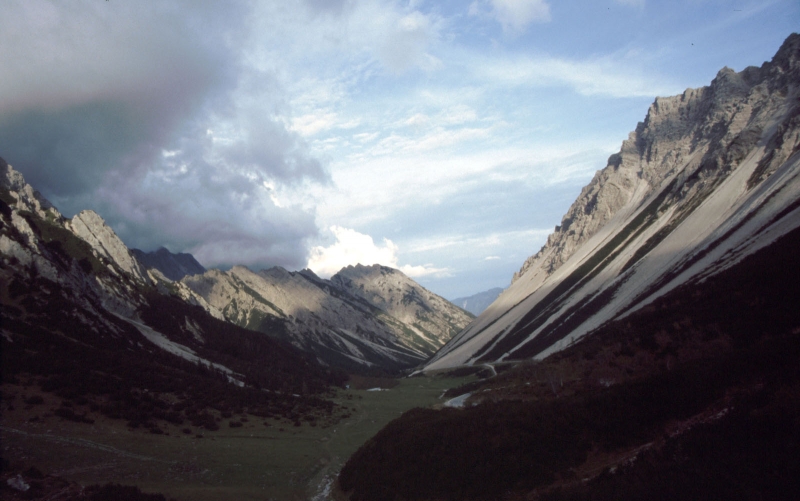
[[362, 269], [309, 273]]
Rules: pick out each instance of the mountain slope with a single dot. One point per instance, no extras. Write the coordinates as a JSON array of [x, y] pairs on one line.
[[83, 319], [709, 177], [696, 396], [173, 266], [363, 317], [477, 303]]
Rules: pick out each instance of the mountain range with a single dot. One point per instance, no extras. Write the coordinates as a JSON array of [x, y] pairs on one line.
[[364, 318]]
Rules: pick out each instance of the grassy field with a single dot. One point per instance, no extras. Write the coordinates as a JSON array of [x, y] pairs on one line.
[[279, 461]]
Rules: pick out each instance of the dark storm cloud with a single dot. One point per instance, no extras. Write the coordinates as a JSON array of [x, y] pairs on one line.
[[220, 212], [135, 110], [90, 87]]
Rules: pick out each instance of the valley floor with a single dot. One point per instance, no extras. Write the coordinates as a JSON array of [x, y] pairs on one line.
[[279, 461]]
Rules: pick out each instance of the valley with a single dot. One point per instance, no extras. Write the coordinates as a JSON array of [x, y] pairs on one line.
[[649, 349], [280, 461]]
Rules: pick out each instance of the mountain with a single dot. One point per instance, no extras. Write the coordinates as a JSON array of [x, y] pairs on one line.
[[697, 397], [709, 177], [476, 303], [172, 266], [649, 350], [363, 317], [83, 319]]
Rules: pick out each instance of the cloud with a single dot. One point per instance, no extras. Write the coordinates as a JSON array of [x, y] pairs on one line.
[[516, 15], [406, 42], [90, 87], [95, 93], [328, 6], [352, 247], [219, 212], [310, 124], [61, 55], [610, 76], [360, 38]]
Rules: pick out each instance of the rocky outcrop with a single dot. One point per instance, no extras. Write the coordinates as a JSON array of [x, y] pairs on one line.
[[79, 317], [707, 178], [23, 196], [92, 229], [83, 256]]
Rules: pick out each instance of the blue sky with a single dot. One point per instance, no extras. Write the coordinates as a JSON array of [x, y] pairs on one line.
[[443, 138]]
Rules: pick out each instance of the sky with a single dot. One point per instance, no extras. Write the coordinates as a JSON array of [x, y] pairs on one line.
[[442, 138]]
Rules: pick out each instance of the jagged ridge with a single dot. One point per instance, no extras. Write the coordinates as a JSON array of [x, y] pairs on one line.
[[709, 177], [363, 317]]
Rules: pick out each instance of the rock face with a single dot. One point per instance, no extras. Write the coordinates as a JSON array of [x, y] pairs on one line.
[[82, 255], [365, 316], [431, 319], [708, 178], [172, 266], [477, 303], [91, 228]]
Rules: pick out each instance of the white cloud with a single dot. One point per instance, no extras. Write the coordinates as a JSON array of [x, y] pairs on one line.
[[310, 124], [352, 247], [516, 15], [608, 76], [424, 271], [348, 44], [489, 242], [366, 137], [406, 42]]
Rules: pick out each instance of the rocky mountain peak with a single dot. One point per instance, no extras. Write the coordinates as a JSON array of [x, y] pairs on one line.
[[90, 227], [708, 177], [788, 56], [361, 270], [26, 197], [696, 132]]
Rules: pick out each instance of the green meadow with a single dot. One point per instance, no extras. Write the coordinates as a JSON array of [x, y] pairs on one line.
[[270, 459]]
